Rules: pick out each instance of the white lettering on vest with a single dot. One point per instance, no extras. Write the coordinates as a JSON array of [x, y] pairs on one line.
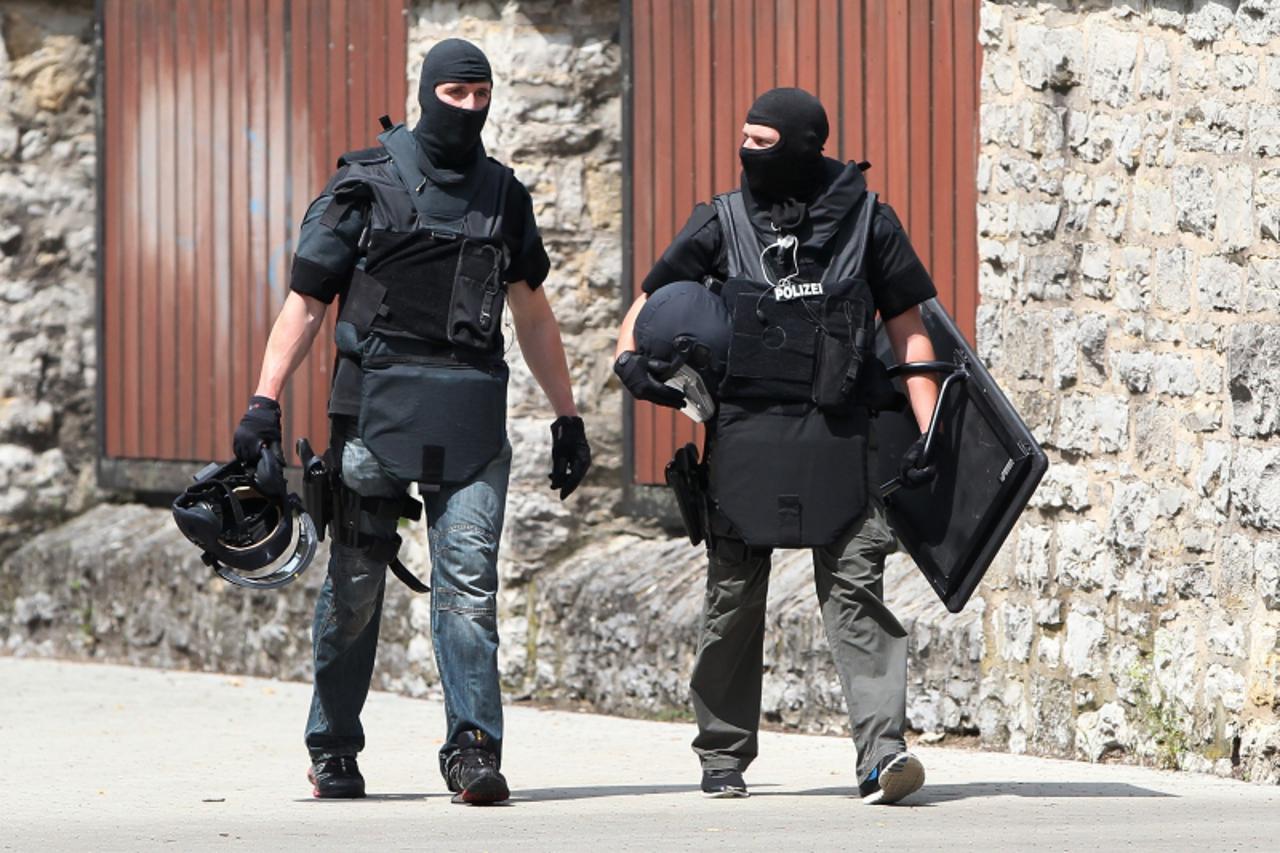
[[798, 290]]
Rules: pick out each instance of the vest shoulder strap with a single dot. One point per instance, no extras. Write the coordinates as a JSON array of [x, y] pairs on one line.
[[742, 245], [852, 241], [483, 220], [404, 156], [486, 220]]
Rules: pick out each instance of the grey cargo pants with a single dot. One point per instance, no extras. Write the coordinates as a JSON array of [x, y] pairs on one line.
[[867, 641]]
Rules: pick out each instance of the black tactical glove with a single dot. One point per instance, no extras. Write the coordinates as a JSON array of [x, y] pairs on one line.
[[259, 427], [636, 372], [911, 473], [570, 454]]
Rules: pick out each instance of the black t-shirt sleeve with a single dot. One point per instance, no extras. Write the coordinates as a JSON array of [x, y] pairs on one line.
[[695, 253], [898, 279], [328, 241], [529, 262]]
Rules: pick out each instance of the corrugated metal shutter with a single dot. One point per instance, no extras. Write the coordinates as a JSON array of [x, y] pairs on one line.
[[899, 79], [222, 119]]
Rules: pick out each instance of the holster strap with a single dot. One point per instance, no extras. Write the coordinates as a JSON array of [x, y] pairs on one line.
[[387, 550]]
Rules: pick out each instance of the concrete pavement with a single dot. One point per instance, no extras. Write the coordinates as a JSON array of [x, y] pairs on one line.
[[107, 758]]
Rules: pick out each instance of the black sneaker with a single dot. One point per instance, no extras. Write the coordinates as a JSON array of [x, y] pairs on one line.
[[723, 784], [472, 773], [336, 778], [898, 775]]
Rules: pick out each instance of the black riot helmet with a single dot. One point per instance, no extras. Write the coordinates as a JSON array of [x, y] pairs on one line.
[[687, 326], [243, 520]]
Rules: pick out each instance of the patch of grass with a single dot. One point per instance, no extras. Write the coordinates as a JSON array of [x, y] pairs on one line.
[[1160, 719], [673, 715]]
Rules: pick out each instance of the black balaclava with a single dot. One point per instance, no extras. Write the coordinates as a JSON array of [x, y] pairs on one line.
[[792, 169], [449, 135]]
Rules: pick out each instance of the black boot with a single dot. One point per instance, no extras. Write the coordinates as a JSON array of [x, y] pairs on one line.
[[723, 784], [336, 778], [472, 772]]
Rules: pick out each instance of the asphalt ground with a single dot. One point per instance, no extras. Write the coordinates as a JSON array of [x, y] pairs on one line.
[[113, 758]]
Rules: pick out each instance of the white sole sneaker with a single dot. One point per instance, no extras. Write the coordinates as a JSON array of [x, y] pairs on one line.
[[900, 778], [728, 794]]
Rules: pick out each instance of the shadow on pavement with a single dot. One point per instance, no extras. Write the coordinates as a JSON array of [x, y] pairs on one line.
[[374, 798], [931, 794], [535, 795], [1038, 790]]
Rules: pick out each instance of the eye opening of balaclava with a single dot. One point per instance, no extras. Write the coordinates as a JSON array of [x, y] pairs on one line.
[[792, 168], [449, 135]]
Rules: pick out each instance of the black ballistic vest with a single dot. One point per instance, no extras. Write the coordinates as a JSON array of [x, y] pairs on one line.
[[420, 328], [787, 450]]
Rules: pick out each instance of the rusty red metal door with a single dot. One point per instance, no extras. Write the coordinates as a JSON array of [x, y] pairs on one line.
[[221, 120], [899, 79]]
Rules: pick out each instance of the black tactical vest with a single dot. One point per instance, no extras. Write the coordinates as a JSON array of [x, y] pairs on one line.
[[433, 278], [787, 450], [419, 329]]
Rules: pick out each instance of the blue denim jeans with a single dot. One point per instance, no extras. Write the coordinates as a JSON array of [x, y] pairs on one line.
[[464, 526]]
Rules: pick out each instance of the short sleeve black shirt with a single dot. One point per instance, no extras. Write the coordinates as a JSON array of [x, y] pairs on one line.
[[329, 240], [897, 278]]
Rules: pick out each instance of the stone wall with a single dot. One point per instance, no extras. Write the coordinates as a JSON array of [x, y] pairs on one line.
[[1129, 195], [47, 237]]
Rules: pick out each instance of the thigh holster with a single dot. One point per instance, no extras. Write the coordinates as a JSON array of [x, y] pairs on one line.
[[338, 508]]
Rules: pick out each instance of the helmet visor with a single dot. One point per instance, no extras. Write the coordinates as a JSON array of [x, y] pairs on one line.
[[699, 405]]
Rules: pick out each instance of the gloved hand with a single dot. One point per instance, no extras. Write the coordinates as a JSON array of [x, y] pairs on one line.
[[911, 473], [636, 372], [570, 454], [260, 427]]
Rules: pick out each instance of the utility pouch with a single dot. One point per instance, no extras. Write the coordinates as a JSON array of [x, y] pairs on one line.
[[836, 364], [688, 481], [475, 308], [843, 347], [428, 418]]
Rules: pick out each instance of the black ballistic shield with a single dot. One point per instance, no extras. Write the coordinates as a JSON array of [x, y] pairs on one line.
[[988, 465]]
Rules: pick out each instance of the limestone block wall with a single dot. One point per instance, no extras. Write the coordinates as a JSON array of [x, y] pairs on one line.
[[1129, 215], [47, 206]]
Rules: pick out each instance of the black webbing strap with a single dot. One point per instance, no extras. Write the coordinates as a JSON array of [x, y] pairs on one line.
[[404, 154], [742, 245], [387, 550], [392, 509], [363, 303], [789, 518], [338, 207], [407, 577]]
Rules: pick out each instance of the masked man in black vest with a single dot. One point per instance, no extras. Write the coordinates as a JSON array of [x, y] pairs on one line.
[[422, 239], [804, 258]]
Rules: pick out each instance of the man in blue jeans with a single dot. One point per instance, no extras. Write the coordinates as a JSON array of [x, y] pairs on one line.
[[423, 240]]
